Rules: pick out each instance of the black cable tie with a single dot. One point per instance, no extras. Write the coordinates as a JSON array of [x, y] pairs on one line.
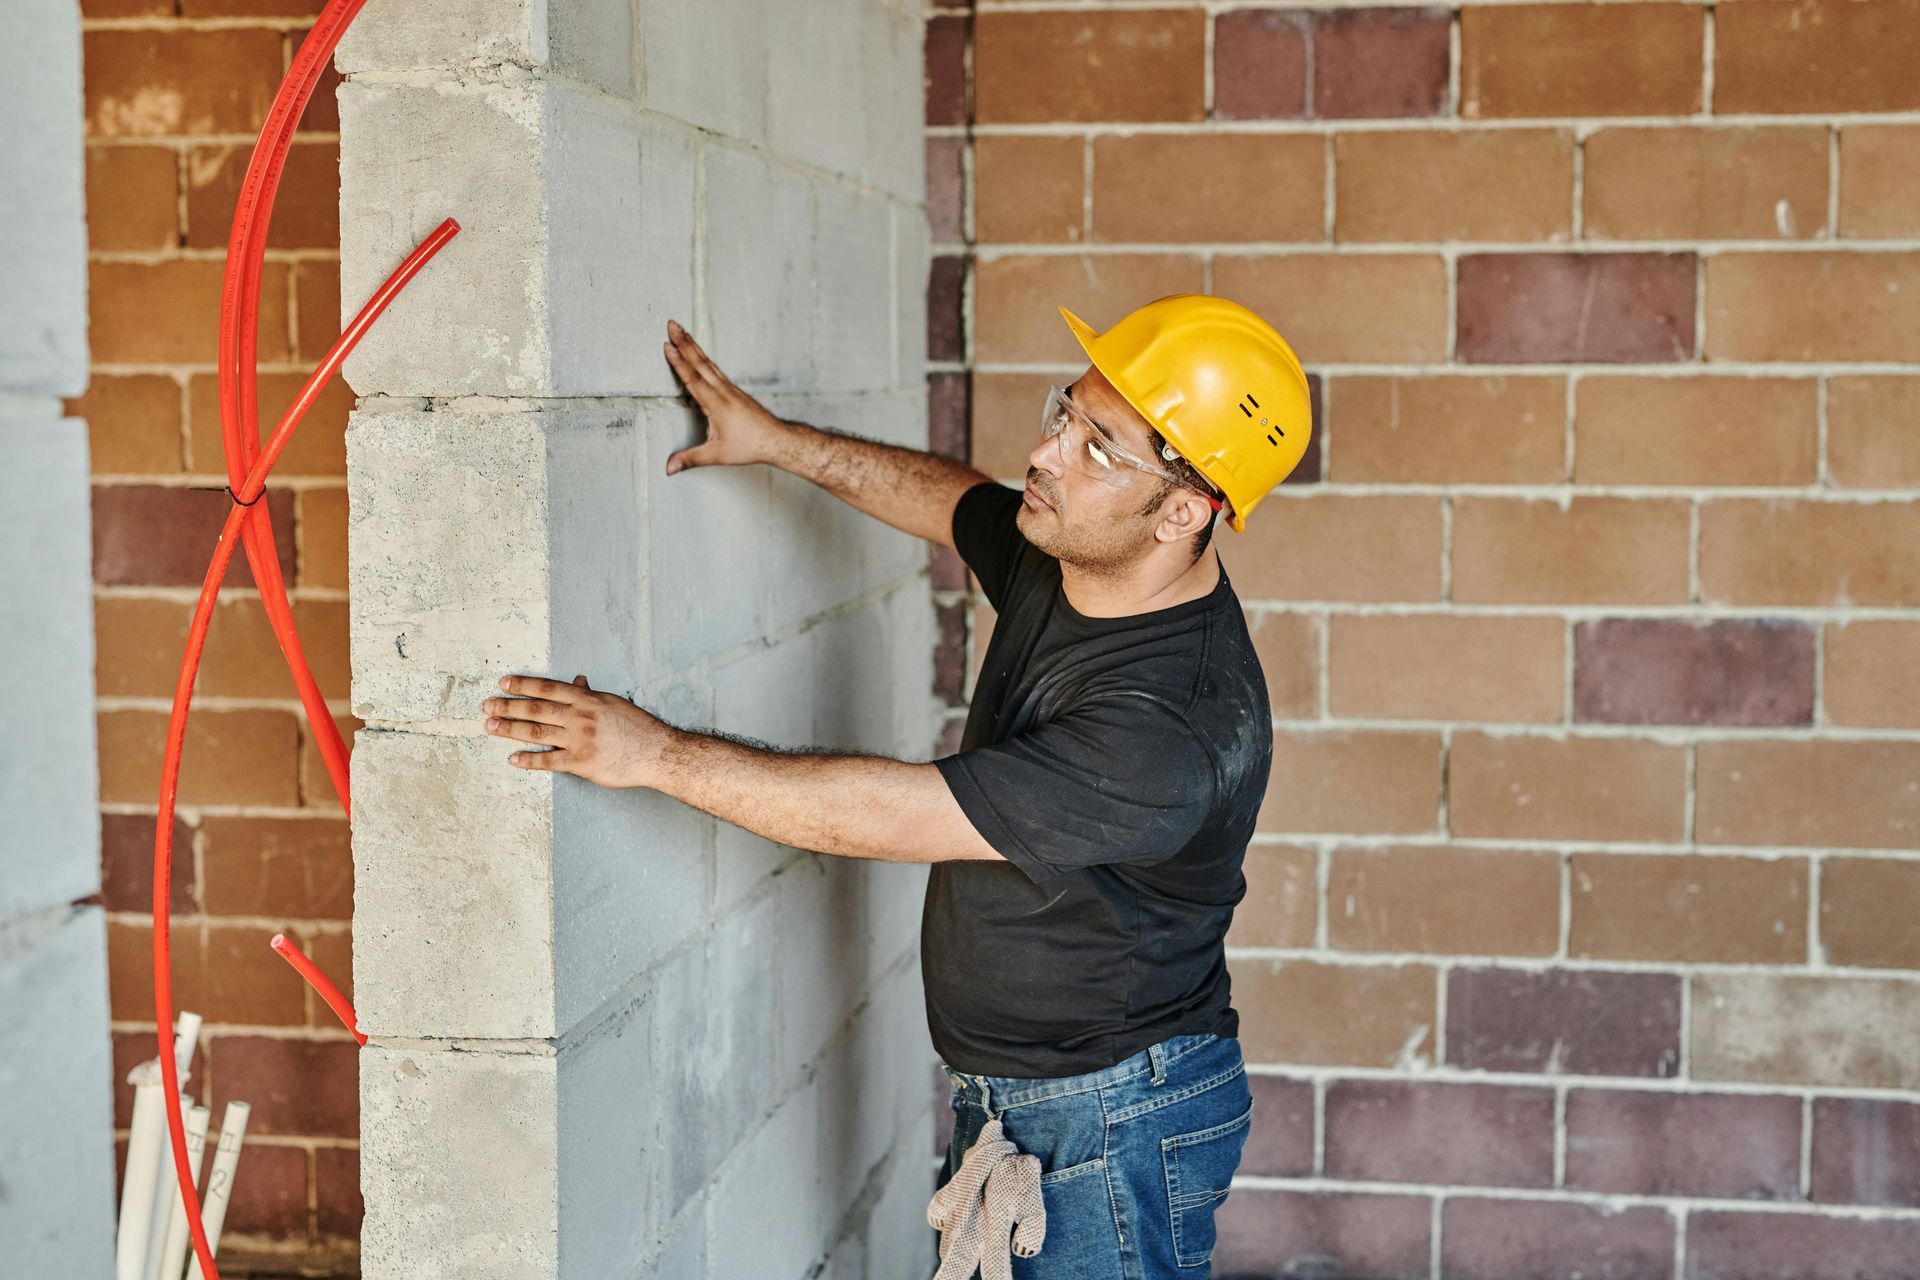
[[228, 490]]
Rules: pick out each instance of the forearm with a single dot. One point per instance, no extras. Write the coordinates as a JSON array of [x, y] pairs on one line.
[[911, 489]]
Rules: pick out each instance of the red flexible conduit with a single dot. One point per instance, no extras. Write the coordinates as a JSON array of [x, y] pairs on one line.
[[247, 466]]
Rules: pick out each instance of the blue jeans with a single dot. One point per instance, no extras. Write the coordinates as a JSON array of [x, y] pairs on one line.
[[1134, 1159]]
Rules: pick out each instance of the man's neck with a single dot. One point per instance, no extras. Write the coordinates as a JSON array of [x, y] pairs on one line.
[[1141, 591]]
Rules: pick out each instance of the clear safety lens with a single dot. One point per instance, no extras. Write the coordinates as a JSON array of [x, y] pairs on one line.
[[1083, 447]]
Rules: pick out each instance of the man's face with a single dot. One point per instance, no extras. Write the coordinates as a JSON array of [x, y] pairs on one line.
[[1081, 520]]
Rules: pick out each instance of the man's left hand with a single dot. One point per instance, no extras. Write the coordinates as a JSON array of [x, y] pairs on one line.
[[597, 736]]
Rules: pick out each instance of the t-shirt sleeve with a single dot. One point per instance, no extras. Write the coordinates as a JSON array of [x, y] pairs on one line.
[[985, 535], [1120, 779]]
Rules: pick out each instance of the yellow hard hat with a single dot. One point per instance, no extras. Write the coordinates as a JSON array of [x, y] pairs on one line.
[[1218, 382]]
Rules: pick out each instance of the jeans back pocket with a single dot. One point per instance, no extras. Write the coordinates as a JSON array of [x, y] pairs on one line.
[[1199, 1168]]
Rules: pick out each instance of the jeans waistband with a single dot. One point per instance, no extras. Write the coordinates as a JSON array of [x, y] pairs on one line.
[[997, 1093]]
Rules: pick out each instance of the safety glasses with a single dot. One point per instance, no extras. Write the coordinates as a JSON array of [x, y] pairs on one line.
[[1089, 450]]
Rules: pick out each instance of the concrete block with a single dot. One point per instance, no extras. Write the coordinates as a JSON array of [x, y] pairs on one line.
[[853, 338], [894, 100], [668, 160], [399, 35], [683, 1252], [823, 933], [898, 1241], [43, 256], [595, 239], [759, 695], [816, 85], [609, 1145], [912, 268], [705, 62], [768, 1210], [528, 563], [760, 263], [50, 792], [56, 1096]]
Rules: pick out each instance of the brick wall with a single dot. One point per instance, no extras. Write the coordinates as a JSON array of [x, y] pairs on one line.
[[1578, 933], [175, 93]]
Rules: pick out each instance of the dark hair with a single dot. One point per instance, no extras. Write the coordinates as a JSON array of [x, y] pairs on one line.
[[1187, 475]]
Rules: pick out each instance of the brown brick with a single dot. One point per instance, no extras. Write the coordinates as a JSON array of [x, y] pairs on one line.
[[306, 206], [299, 868], [1447, 667], [316, 784], [140, 641], [323, 109], [1813, 306], [1306, 1012], [1017, 299], [1233, 187], [131, 198], [1029, 189], [1872, 673], [946, 187], [165, 535], [1842, 1032], [1336, 546], [336, 1192], [1789, 551], [1866, 912], [323, 538], [318, 446], [1281, 907], [130, 1049], [1327, 304], [1126, 64], [1866, 1151], [1688, 909], [316, 286], [1421, 1131], [1696, 430], [1820, 791], [224, 972], [1440, 900], [1720, 183], [946, 307], [1744, 671], [1260, 64], [1487, 1239], [168, 312], [1448, 429], [1805, 1246], [230, 757], [1577, 1022], [1288, 646], [126, 863], [945, 72], [332, 951], [1281, 1141], [126, 9], [1599, 308], [1873, 431], [1265, 1231], [133, 423], [1534, 787], [150, 81], [1386, 62], [1652, 1142], [1880, 180], [1434, 185], [1006, 420], [1594, 549], [271, 1198], [1355, 781], [305, 1087], [1817, 55], [1581, 60]]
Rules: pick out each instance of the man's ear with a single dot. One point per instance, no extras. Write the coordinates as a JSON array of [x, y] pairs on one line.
[[1185, 517]]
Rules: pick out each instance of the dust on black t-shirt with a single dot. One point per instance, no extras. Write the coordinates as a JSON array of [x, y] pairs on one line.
[[1118, 765]]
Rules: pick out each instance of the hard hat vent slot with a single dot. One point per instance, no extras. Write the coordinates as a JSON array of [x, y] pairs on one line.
[[1246, 411]]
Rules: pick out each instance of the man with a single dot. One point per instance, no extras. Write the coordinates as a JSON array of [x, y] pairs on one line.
[[1087, 839]]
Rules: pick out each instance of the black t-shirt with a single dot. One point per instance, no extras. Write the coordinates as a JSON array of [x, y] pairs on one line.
[[1118, 765]]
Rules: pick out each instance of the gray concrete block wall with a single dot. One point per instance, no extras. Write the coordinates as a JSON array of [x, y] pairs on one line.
[[56, 1100], [613, 1036]]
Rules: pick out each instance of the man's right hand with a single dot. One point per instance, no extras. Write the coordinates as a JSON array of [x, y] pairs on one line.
[[739, 428]]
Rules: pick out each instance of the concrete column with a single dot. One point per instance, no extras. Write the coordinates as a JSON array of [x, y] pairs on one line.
[[611, 1036]]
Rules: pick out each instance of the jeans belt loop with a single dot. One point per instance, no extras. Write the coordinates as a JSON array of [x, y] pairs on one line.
[[1157, 1055]]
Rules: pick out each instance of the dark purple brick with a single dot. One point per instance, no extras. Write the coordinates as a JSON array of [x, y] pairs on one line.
[[948, 426], [950, 653], [1380, 63], [336, 1191], [946, 325], [1579, 1022], [1747, 671], [1732, 1146], [1727, 1244], [163, 535], [952, 730], [1594, 307], [1259, 65], [1446, 1134], [1281, 1140], [1866, 1151], [945, 78], [126, 863], [1487, 1239], [946, 189], [1265, 1234]]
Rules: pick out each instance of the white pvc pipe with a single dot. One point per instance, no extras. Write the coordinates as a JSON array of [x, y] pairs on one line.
[[226, 1159], [144, 1141], [173, 1254], [186, 1036], [166, 1187]]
